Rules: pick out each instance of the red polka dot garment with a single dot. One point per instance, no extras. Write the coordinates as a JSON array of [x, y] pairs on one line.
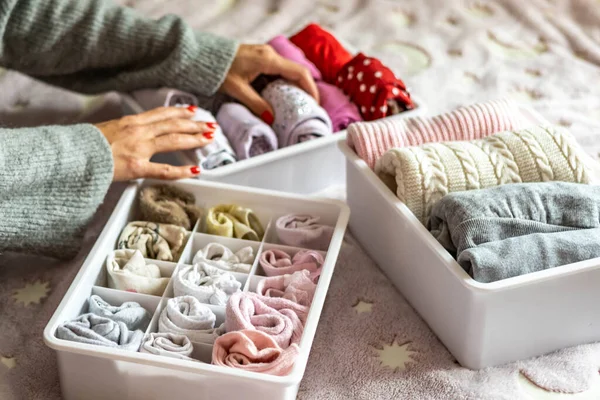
[[372, 86]]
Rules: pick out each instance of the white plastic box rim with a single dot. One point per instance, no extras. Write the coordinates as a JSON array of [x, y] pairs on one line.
[[205, 369], [433, 245]]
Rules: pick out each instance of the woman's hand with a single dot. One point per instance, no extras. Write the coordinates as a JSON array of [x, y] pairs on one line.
[[251, 61], [135, 139]]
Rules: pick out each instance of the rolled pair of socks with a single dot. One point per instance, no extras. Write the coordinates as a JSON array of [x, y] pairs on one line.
[[280, 318], [231, 220], [277, 262], [107, 325], [128, 270], [303, 231], [338, 106], [297, 287], [168, 345], [186, 316], [254, 351], [219, 256], [210, 285], [162, 242], [169, 204]]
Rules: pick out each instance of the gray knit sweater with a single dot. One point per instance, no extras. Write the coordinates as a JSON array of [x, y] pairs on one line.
[[53, 178]]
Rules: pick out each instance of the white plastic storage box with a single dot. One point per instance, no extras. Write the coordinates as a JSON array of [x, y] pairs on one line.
[[304, 168], [97, 373], [481, 324]]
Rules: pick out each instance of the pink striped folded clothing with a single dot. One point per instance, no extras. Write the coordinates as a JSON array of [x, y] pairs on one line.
[[277, 262], [280, 318], [254, 351], [371, 139]]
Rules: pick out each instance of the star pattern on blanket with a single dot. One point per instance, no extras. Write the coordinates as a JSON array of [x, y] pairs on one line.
[[363, 307], [32, 293], [395, 355], [9, 362]]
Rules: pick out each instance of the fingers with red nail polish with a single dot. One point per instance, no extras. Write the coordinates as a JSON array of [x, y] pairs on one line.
[[195, 170], [192, 108], [267, 117]]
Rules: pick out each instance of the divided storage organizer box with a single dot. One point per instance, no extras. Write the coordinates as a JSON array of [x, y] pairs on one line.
[[96, 373], [482, 324], [304, 168]]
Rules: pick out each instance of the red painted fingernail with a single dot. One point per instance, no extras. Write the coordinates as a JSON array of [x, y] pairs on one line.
[[195, 170], [208, 135], [212, 125], [267, 117], [192, 108]]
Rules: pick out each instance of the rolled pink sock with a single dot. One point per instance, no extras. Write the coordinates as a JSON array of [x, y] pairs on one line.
[[371, 139], [277, 262], [279, 318], [303, 231], [297, 287], [254, 351]]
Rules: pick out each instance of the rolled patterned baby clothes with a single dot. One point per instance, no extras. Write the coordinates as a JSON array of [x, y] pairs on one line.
[[280, 318], [303, 231], [370, 140], [248, 135], [100, 331], [254, 351], [162, 242], [185, 315], [168, 204], [230, 220], [168, 345], [130, 313], [127, 270], [218, 256], [340, 109], [515, 229], [149, 99], [420, 176], [297, 287], [215, 154], [298, 117], [372, 86], [208, 284], [323, 50], [277, 262]]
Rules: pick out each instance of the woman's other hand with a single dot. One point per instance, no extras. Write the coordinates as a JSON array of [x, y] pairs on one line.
[[135, 139], [252, 60]]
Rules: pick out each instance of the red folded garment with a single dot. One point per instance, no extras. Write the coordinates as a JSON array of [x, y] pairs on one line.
[[372, 86], [323, 50]]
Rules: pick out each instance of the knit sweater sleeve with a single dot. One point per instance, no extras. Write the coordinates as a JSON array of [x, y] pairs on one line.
[[48, 196], [94, 46]]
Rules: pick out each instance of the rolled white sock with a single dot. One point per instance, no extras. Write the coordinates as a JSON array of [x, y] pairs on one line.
[[219, 256], [185, 315], [210, 285], [127, 270], [168, 345]]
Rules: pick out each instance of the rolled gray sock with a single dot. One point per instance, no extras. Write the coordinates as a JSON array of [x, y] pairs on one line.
[[133, 315], [100, 331]]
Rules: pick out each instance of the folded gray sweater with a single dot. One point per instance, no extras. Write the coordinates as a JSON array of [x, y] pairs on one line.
[[515, 229]]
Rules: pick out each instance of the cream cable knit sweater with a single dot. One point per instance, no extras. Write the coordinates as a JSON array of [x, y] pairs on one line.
[[422, 175]]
